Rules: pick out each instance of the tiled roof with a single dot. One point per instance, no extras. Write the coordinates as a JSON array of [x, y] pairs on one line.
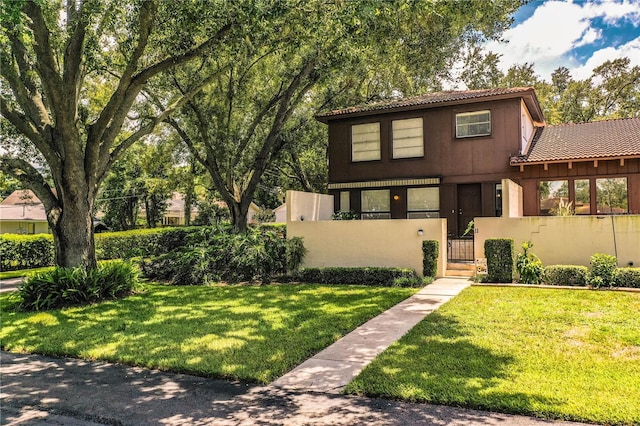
[[599, 139], [20, 197], [22, 213], [428, 99]]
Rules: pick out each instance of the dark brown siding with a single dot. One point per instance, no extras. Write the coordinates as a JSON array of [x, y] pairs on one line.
[[477, 159]]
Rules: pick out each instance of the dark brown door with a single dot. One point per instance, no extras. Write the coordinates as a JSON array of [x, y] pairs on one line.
[[469, 205]]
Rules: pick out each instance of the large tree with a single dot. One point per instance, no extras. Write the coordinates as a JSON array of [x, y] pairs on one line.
[[73, 73], [310, 55]]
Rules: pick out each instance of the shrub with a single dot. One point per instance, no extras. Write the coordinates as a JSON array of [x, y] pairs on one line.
[[74, 286], [627, 277], [430, 258], [350, 215], [528, 265], [214, 255], [603, 268], [25, 251], [565, 275], [295, 253], [366, 276], [499, 253]]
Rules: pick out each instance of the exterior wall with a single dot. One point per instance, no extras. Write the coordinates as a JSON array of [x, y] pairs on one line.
[[567, 240], [511, 199], [360, 243], [281, 213], [307, 206], [531, 176], [11, 227], [475, 159]]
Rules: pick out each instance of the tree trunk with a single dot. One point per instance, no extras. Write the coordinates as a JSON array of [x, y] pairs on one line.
[[239, 213], [73, 234]]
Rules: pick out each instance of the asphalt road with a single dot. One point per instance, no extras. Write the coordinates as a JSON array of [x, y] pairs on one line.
[[39, 390]]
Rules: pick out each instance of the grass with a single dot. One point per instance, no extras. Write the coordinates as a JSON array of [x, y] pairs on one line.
[[5, 275], [251, 333], [559, 354]]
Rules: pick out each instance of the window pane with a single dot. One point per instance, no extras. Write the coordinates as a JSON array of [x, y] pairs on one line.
[[473, 124], [612, 196], [419, 199], [376, 201], [365, 142], [345, 202], [408, 140], [583, 196], [552, 194]]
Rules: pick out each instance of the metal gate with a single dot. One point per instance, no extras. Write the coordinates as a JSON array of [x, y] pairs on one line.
[[460, 250]]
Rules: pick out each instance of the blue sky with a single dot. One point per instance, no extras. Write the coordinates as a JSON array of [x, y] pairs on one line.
[[579, 35]]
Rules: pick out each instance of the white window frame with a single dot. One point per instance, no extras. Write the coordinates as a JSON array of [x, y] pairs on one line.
[[466, 126], [365, 142], [408, 138]]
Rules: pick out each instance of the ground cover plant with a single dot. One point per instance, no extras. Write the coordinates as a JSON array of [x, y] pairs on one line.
[[562, 354], [252, 333]]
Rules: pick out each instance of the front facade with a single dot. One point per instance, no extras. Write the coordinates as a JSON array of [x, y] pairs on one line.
[[445, 155]]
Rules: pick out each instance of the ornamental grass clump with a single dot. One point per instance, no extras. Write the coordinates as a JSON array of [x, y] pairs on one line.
[[61, 287]]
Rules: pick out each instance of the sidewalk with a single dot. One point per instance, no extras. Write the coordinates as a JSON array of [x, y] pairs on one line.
[[40, 390], [10, 284]]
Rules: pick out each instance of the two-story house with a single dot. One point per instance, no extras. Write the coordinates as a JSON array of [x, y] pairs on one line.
[[445, 155]]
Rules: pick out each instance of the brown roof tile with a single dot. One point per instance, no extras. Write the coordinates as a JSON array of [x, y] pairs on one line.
[[428, 99], [598, 139]]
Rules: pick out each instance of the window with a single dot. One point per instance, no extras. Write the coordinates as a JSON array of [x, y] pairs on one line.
[[498, 200], [423, 203], [612, 196], [345, 202], [470, 124], [554, 196], [408, 140], [582, 190], [376, 204], [365, 142]]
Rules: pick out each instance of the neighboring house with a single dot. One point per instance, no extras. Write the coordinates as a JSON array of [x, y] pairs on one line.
[[281, 213], [445, 155], [23, 213]]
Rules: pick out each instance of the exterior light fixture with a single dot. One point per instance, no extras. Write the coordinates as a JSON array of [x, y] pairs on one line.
[[396, 197], [420, 232]]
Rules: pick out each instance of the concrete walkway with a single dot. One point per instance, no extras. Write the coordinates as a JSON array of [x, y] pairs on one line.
[[333, 368], [10, 284]]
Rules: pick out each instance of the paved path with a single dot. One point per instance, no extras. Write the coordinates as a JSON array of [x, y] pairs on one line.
[[333, 368], [39, 390], [10, 284]]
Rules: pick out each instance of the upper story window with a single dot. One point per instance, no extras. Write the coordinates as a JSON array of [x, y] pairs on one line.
[[408, 140], [470, 124], [365, 142]]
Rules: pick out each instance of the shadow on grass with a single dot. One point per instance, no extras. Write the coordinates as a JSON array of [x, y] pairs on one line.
[[437, 362], [253, 333]]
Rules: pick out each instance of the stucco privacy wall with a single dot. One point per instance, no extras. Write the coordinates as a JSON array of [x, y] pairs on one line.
[[308, 206], [383, 243], [511, 199], [566, 240]]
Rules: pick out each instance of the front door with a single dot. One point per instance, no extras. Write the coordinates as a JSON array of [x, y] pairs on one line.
[[469, 205]]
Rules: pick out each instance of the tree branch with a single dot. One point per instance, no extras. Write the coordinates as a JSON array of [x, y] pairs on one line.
[[32, 179]]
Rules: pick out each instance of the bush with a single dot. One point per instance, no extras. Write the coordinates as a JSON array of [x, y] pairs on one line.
[[430, 258], [565, 275], [25, 251], [528, 265], [365, 276], [350, 215], [627, 277], [499, 253], [603, 269], [62, 287], [212, 255]]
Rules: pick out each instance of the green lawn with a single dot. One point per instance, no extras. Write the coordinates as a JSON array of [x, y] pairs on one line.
[[549, 353], [253, 333], [5, 275]]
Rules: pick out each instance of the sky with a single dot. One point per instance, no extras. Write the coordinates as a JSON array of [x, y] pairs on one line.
[[579, 35]]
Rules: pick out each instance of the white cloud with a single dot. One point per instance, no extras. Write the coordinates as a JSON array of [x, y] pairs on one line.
[[631, 50], [549, 36]]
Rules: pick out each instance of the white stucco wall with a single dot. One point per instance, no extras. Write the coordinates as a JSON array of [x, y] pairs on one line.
[[307, 206]]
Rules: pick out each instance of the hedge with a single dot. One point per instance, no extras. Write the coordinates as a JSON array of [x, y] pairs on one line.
[[34, 251], [430, 258], [627, 277], [499, 253], [371, 276], [571, 275]]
